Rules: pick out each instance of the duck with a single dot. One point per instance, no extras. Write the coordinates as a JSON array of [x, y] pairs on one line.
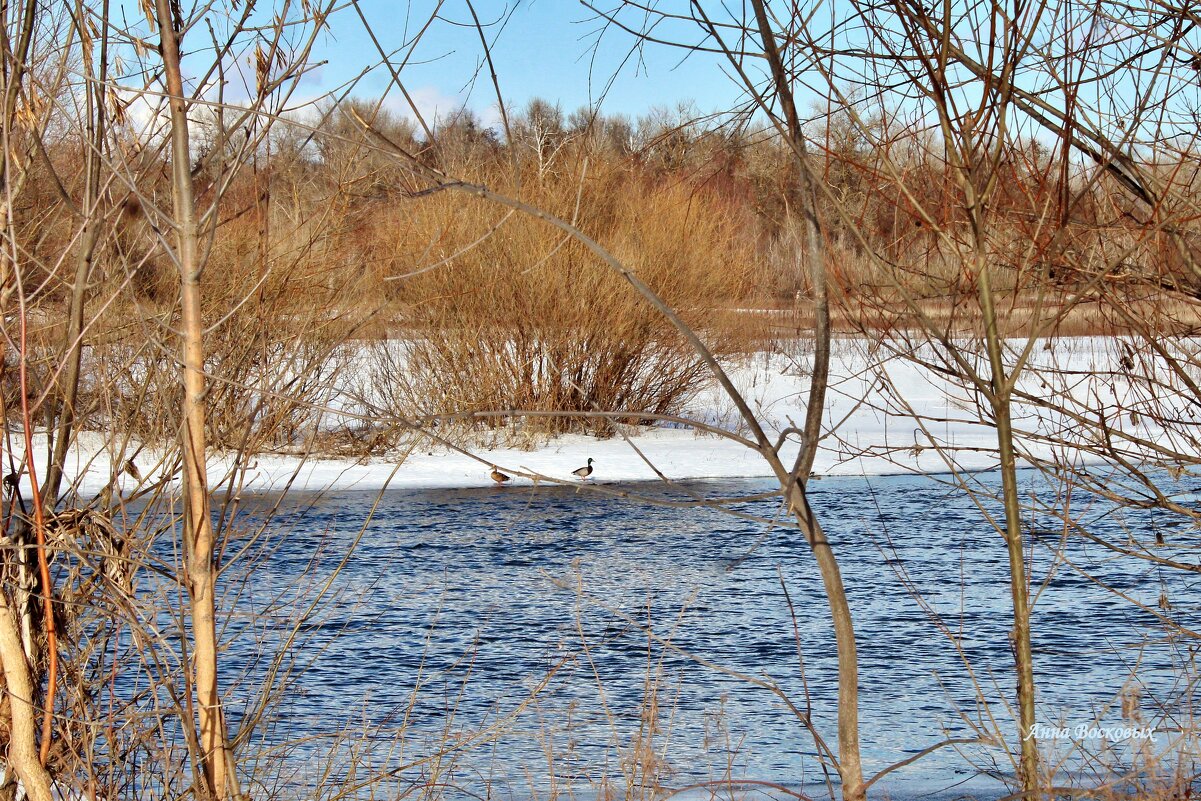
[[584, 471], [499, 477]]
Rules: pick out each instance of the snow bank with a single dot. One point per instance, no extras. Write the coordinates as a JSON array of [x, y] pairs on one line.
[[885, 415]]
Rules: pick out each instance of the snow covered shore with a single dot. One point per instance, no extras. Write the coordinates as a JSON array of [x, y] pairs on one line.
[[884, 415]]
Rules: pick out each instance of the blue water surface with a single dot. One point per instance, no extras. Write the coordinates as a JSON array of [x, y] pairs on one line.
[[524, 642]]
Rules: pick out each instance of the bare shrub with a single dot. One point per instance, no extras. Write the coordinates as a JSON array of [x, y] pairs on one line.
[[523, 319]]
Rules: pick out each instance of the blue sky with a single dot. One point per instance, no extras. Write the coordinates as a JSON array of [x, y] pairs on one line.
[[552, 49], [558, 50]]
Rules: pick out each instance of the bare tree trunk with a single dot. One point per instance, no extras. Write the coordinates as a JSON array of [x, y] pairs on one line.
[[22, 749], [15, 64], [73, 344], [73, 339], [1023, 655], [850, 765], [814, 248], [820, 377], [198, 526]]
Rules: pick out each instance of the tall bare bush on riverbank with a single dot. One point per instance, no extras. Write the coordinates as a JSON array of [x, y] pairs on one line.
[[113, 259], [523, 318]]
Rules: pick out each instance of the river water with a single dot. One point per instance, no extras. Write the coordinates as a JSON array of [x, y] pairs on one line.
[[494, 642]]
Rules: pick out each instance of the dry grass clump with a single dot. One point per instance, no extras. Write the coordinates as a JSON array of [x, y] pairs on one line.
[[514, 316]]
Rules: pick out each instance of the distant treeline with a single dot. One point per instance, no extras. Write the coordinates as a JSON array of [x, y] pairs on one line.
[[324, 216]]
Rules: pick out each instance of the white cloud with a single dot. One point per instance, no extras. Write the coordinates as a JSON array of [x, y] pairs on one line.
[[427, 101]]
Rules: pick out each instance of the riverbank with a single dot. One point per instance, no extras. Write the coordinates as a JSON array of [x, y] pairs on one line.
[[886, 414]]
